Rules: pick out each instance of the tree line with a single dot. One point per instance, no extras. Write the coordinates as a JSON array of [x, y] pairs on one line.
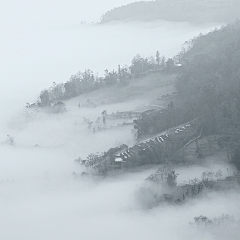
[[175, 10], [87, 81]]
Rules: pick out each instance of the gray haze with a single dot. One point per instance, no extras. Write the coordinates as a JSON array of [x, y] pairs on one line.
[[43, 42]]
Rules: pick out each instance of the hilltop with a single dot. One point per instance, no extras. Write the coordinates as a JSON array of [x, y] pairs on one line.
[[175, 10]]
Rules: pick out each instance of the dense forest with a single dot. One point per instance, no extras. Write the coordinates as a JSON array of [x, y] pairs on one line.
[[175, 10], [209, 85]]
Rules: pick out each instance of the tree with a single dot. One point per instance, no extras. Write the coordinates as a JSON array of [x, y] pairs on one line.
[[158, 58], [163, 62], [201, 221], [169, 64], [171, 105], [87, 80], [68, 90], [236, 157], [10, 140], [224, 220], [172, 179], [219, 174], [56, 92], [123, 75], [165, 175], [110, 77], [207, 175], [44, 97], [140, 65]]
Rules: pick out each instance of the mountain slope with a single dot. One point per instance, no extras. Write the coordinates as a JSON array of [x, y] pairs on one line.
[[175, 10]]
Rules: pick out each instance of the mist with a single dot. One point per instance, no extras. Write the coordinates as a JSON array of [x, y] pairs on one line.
[[44, 42]]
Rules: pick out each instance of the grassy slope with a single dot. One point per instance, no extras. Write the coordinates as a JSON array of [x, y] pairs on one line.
[[140, 90]]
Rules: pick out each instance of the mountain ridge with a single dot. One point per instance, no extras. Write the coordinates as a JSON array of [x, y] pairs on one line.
[[174, 10]]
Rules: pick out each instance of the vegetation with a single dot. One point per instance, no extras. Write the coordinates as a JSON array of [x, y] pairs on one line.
[[165, 175], [156, 121], [208, 88], [209, 85], [222, 221], [86, 81], [174, 10], [10, 140], [164, 189], [158, 149]]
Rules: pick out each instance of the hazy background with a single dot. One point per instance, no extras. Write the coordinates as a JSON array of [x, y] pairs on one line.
[[43, 42]]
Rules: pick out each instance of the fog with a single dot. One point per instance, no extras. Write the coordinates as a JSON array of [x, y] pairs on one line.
[[44, 42]]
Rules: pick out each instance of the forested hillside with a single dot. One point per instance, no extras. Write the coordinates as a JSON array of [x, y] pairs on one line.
[[175, 10], [209, 85]]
